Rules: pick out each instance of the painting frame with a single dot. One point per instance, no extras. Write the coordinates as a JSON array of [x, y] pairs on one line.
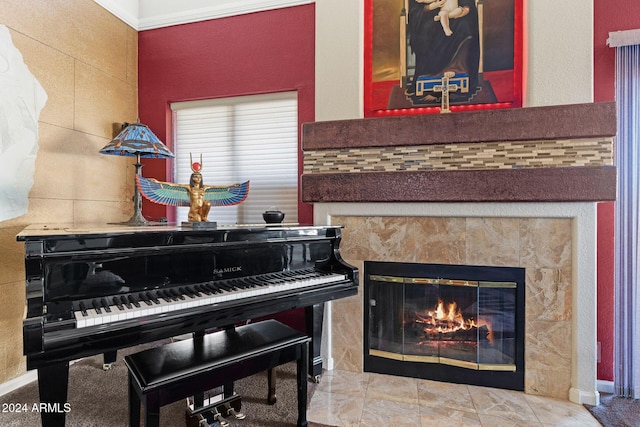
[[388, 91]]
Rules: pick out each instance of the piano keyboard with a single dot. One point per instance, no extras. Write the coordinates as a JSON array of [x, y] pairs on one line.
[[99, 311]]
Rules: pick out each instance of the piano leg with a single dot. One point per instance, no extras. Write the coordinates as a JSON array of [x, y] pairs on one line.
[[301, 382], [108, 359], [313, 319], [227, 389], [52, 385], [271, 386]]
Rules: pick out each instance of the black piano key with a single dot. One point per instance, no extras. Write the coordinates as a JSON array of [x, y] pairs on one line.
[[244, 283], [144, 297], [273, 280], [152, 297], [105, 305], [257, 282], [254, 282], [280, 278], [133, 300], [212, 287], [96, 306], [185, 292], [192, 291], [310, 273], [176, 294], [116, 301], [165, 295], [224, 286], [83, 308], [201, 289], [124, 301]]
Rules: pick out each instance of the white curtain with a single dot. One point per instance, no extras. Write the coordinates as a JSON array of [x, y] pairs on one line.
[[253, 137], [627, 295]]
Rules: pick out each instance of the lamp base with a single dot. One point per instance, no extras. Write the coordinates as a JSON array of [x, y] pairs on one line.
[[137, 220]]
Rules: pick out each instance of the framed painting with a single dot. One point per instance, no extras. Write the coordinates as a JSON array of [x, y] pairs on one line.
[[431, 56]]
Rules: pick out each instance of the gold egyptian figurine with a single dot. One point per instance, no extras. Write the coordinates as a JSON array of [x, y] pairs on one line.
[[196, 195]]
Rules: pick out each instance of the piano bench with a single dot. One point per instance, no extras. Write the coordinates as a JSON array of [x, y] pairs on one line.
[[177, 370]]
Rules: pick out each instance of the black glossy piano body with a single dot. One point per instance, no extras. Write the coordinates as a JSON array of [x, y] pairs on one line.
[[95, 290]]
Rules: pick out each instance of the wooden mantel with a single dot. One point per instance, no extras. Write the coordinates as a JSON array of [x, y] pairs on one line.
[[555, 153]]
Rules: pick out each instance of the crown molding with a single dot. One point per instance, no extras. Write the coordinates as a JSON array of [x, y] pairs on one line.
[[126, 15], [131, 15], [215, 11]]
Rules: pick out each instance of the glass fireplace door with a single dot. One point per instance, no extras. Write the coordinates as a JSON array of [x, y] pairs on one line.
[[469, 324]]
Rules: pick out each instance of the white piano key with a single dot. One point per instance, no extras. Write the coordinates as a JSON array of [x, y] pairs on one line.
[[293, 282]]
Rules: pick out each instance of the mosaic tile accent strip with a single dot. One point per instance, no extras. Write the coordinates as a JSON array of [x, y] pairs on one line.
[[594, 152]]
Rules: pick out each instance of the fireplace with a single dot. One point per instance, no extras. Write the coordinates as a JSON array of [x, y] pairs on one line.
[[455, 323], [477, 188], [553, 242]]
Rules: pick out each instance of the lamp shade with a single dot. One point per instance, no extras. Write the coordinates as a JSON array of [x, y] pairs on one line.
[[137, 139]]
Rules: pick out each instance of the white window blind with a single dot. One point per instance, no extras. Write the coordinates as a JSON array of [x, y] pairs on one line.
[[252, 138]]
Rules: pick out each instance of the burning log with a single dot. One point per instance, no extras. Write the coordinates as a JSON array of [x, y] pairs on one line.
[[445, 323], [473, 334]]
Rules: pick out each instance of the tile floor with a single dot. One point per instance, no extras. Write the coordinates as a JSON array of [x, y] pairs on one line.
[[365, 399]]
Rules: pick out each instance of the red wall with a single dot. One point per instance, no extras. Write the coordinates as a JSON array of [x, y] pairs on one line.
[[605, 289], [263, 52], [608, 19]]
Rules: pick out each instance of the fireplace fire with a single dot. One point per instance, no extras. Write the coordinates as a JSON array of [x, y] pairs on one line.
[[446, 322], [461, 324]]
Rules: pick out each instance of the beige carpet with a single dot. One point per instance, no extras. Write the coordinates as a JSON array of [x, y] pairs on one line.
[[616, 411], [99, 398]]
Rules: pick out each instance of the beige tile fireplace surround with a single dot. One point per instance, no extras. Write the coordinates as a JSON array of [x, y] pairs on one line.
[[477, 219]]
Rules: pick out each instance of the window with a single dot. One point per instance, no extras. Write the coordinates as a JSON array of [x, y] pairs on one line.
[[243, 138]]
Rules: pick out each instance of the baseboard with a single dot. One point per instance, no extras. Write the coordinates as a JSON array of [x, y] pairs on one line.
[[605, 386], [327, 363], [584, 397], [16, 383]]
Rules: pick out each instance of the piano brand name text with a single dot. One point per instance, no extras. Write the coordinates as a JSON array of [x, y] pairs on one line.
[[227, 269]]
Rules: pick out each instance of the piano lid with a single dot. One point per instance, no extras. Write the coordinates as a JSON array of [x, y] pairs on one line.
[[48, 240], [43, 231]]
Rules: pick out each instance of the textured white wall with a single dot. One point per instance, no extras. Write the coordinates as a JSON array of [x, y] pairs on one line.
[[559, 61], [339, 59]]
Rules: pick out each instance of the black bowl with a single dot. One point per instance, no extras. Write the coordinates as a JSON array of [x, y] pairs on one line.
[[273, 217]]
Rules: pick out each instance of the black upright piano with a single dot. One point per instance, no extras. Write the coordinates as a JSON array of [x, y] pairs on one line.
[[94, 290]]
